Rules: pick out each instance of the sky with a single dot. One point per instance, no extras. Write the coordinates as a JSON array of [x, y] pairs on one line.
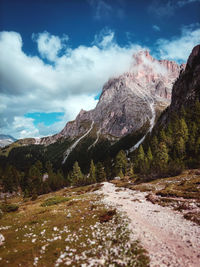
[[56, 55]]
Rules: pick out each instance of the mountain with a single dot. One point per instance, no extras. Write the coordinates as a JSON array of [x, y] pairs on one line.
[[127, 102], [127, 110], [186, 89], [6, 140], [174, 143]]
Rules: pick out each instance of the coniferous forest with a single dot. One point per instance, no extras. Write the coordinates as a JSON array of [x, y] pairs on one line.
[[167, 151]]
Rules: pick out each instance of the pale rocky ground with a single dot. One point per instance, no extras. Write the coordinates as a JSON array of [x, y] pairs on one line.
[[170, 239]]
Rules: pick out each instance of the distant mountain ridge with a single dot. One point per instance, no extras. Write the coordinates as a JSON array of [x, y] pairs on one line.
[[6, 140]]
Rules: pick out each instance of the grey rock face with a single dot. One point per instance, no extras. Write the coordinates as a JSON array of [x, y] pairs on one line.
[[129, 101], [187, 88]]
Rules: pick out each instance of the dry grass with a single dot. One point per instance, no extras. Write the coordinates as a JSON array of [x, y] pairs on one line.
[[69, 232]]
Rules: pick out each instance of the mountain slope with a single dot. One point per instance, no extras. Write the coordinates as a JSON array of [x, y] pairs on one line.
[[175, 140], [6, 140], [186, 90], [126, 111], [127, 102]]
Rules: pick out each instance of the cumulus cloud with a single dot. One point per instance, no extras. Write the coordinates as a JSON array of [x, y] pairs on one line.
[[179, 48], [49, 45], [23, 132], [28, 84]]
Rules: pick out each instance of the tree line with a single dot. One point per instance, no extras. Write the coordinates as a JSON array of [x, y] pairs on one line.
[[165, 152]]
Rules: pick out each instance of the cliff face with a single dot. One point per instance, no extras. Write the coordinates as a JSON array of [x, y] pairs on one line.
[[127, 102], [186, 90]]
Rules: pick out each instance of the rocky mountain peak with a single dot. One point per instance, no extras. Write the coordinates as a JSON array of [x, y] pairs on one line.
[[141, 55], [127, 102], [194, 58]]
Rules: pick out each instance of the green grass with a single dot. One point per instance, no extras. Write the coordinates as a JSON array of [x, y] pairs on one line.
[[54, 200], [71, 231]]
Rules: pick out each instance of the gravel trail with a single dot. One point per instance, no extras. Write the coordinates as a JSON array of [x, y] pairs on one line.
[[170, 239]]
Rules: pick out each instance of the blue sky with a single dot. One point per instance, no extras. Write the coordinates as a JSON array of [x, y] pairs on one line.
[[55, 56]]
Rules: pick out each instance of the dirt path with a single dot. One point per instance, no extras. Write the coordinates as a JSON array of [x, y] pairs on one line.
[[170, 239]]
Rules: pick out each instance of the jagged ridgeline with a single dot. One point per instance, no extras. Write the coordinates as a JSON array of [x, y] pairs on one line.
[[124, 117], [174, 143]]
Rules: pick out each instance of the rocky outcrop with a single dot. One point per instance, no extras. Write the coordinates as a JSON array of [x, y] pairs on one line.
[[186, 90], [127, 102]]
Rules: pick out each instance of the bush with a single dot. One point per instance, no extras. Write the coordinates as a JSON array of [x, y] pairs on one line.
[[34, 197], [9, 207], [1, 213], [54, 200]]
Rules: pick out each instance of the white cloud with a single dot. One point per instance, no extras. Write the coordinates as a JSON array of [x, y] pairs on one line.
[[49, 45], [104, 39], [28, 84], [156, 28], [180, 47], [18, 126]]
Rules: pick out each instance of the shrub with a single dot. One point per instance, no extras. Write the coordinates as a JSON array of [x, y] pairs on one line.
[[34, 196], [1, 213], [9, 207], [54, 200]]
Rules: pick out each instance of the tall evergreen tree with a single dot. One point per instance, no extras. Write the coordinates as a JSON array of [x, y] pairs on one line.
[[100, 173], [162, 157], [141, 154], [35, 177], [183, 129], [92, 174], [154, 144], [149, 154], [77, 176], [121, 164]]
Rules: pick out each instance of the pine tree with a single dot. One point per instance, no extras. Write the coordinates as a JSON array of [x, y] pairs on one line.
[[77, 176], [154, 144], [162, 136], [197, 147], [92, 175], [35, 177], [183, 130], [39, 166], [161, 157], [131, 170], [196, 114], [180, 147], [8, 184], [121, 164], [149, 154], [100, 173], [141, 154], [60, 179]]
